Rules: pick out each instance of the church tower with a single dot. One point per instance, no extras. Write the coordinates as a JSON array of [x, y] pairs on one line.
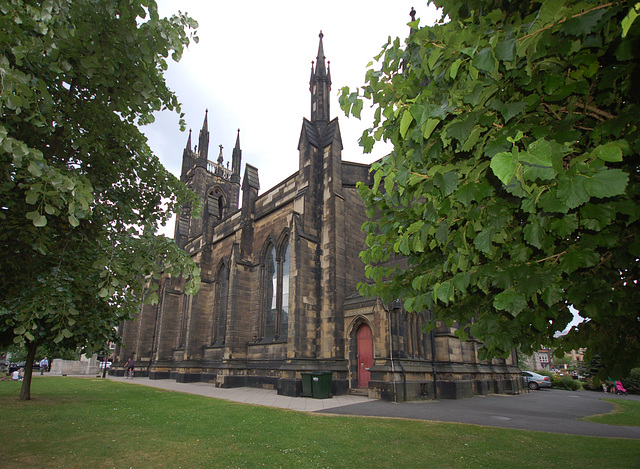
[[217, 185]]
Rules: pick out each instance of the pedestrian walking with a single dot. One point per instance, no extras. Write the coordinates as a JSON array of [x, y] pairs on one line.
[[44, 365]]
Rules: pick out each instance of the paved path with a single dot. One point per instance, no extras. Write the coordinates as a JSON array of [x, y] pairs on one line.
[[257, 396], [547, 410]]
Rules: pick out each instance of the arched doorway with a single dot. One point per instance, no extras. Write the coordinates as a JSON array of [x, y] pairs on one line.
[[365, 355]]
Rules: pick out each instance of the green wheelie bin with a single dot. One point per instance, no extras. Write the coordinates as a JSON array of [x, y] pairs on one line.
[[321, 383], [307, 390]]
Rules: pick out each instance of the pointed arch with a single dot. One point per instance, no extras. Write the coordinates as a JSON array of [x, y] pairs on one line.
[[270, 289], [360, 335], [275, 287], [216, 201], [221, 301], [283, 280]]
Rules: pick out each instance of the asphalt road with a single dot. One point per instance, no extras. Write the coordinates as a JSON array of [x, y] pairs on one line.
[[546, 410]]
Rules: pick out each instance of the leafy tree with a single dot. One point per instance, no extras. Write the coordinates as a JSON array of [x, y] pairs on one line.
[[82, 193], [512, 189], [50, 349], [560, 362]]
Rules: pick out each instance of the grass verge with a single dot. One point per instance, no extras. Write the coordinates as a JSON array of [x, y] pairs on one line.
[[626, 413], [95, 423]]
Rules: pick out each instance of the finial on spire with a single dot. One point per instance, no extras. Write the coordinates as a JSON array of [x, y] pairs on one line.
[[320, 68], [188, 147], [412, 14], [320, 86], [220, 155]]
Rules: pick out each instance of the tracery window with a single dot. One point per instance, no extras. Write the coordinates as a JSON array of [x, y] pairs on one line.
[[276, 291], [220, 305], [216, 203], [184, 220]]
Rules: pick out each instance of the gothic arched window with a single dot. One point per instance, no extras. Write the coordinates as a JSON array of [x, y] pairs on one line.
[[284, 295], [270, 292], [220, 306], [276, 291], [216, 203]]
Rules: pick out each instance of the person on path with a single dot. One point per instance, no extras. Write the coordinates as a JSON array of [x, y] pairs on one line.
[[44, 365], [129, 366]]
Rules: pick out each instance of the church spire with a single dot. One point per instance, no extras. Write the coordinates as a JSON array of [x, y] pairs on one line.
[[320, 86], [188, 146], [321, 71], [187, 158], [236, 160], [203, 140]]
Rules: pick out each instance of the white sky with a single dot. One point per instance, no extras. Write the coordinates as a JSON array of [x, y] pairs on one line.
[[251, 70]]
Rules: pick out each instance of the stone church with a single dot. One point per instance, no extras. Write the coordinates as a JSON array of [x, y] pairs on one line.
[[278, 296]]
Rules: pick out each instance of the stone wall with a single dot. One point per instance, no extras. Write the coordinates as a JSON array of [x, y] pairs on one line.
[[75, 367]]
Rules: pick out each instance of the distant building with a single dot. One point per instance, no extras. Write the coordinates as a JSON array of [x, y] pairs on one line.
[[543, 359], [577, 356], [278, 296]]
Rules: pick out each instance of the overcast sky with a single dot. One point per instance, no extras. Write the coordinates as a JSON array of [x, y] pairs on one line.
[[251, 70]]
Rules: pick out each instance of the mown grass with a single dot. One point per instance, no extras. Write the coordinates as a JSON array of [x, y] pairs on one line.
[[626, 413], [95, 423]]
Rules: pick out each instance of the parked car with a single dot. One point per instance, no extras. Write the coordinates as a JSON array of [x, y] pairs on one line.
[[16, 366], [535, 381]]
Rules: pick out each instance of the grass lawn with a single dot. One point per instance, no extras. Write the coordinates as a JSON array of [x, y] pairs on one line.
[[626, 413], [95, 423]]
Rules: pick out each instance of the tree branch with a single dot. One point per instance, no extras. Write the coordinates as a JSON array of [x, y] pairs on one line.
[[555, 257], [599, 112], [577, 15]]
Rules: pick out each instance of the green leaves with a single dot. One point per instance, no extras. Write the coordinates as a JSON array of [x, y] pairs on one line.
[[510, 301], [606, 183], [484, 60], [505, 164], [515, 152], [583, 24], [610, 152], [406, 121], [629, 19], [81, 191]]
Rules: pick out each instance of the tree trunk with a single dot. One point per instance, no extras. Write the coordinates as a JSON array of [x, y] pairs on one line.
[[25, 391]]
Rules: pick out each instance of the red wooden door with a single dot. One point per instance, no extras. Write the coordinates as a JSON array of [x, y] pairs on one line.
[[365, 355]]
